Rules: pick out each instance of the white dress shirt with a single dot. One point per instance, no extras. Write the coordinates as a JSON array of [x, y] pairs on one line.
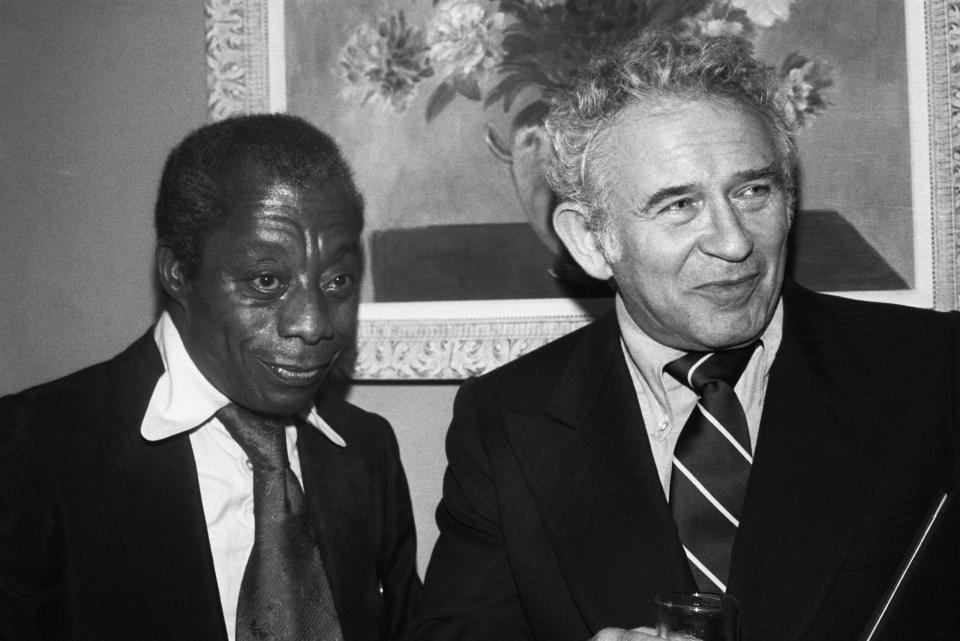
[[665, 403], [185, 401]]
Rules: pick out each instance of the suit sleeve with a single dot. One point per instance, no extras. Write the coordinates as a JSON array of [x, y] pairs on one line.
[[469, 593], [28, 561]]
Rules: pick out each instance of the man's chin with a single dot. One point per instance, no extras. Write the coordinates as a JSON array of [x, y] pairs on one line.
[[282, 403], [714, 341]]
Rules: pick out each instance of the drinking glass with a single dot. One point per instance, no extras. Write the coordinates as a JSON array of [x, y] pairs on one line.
[[697, 616]]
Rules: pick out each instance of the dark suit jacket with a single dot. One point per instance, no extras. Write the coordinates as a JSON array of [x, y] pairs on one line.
[[102, 534], [554, 525]]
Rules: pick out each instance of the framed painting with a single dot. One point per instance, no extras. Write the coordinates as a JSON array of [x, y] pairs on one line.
[[463, 278]]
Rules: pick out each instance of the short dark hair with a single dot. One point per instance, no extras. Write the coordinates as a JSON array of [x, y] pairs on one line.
[[659, 65], [190, 203]]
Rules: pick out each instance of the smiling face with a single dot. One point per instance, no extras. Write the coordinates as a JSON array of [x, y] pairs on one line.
[[274, 300], [697, 238]]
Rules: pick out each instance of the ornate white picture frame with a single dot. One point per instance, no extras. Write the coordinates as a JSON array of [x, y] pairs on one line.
[[453, 340]]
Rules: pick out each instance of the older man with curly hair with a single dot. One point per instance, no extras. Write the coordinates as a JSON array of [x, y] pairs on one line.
[[721, 430]]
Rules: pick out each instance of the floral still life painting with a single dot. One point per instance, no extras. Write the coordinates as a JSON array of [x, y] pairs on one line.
[[439, 105], [491, 51]]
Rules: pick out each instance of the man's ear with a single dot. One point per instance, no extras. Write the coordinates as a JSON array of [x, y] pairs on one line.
[[170, 270], [570, 221]]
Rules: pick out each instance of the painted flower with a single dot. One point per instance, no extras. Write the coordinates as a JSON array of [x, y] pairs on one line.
[[465, 38], [386, 62], [719, 19], [802, 88], [493, 51], [764, 13]]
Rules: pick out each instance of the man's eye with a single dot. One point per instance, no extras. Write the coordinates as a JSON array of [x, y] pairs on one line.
[[267, 283], [683, 206], [341, 283], [754, 191]]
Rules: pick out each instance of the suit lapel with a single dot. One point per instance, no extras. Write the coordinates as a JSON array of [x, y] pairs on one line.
[[591, 453], [156, 497], [335, 484], [813, 471]]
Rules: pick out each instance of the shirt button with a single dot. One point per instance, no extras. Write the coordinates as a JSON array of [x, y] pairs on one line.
[[664, 424], [247, 462]]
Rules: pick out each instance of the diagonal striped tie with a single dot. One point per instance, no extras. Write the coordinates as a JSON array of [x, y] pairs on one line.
[[711, 463]]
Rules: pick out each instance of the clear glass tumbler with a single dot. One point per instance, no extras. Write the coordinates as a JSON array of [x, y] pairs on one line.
[[697, 616]]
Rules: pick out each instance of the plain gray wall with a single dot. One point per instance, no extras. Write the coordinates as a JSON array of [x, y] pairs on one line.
[[93, 93]]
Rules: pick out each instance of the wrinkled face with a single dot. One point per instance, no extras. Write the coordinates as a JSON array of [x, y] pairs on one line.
[[275, 298], [697, 238]]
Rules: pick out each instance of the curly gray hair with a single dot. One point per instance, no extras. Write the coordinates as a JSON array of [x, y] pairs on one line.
[[652, 66]]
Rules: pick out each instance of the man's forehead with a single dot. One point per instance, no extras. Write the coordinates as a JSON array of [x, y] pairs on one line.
[[246, 186], [327, 193], [677, 145], [647, 132], [656, 108], [265, 217]]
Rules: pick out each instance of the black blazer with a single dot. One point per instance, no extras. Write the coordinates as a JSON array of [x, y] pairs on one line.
[[102, 534], [553, 522]]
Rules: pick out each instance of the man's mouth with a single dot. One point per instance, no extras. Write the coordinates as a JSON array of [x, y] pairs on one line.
[[297, 375], [730, 282], [729, 290]]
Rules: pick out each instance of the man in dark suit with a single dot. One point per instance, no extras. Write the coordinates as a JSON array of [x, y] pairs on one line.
[[201, 485], [719, 430]]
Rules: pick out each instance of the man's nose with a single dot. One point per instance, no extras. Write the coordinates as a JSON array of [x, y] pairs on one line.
[[305, 315], [725, 236]]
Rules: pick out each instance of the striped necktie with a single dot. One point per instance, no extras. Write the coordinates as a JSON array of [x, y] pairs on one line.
[[711, 463], [284, 593]]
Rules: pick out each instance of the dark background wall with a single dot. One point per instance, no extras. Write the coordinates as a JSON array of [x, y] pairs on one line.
[[93, 93]]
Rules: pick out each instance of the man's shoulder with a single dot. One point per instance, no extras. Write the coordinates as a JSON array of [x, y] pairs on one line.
[[880, 337], [540, 371], [74, 394], [867, 317], [66, 390]]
